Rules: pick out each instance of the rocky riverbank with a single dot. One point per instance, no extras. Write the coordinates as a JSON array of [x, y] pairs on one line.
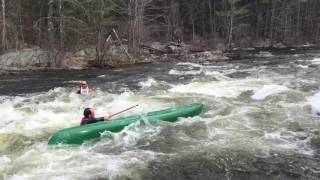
[[36, 58]]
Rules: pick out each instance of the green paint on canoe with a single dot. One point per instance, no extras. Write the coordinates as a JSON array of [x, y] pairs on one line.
[[80, 134]]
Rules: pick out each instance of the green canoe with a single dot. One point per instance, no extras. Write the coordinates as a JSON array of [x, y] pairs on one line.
[[80, 134]]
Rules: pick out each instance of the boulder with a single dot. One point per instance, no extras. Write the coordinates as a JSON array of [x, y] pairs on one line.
[[263, 43], [279, 45], [264, 54], [208, 56], [24, 59]]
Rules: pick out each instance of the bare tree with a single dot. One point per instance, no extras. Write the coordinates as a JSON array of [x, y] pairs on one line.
[[51, 35], [4, 28], [61, 25], [136, 10]]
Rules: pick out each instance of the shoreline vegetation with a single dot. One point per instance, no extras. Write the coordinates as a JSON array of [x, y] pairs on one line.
[[76, 34], [35, 59]]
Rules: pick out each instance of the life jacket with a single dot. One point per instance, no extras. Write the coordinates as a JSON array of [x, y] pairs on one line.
[[84, 121], [84, 90]]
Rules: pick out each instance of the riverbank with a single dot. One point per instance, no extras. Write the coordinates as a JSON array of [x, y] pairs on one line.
[[35, 58]]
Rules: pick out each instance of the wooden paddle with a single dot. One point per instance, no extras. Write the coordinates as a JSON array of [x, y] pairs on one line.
[[109, 117]]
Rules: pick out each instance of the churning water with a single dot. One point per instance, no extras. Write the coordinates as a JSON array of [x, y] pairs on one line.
[[262, 121]]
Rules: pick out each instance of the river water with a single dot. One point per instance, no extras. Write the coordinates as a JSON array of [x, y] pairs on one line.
[[262, 121]]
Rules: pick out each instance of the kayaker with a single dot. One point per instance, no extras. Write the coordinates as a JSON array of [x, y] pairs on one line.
[[89, 117], [83, 88]]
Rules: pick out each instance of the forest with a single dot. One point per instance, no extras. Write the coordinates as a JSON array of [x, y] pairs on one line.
[[60, 26]]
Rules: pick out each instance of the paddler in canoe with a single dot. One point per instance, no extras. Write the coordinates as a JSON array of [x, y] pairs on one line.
[[89, 116], [80, 134]]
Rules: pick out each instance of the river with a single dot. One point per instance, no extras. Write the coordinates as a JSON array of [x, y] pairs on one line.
[[262, 121]]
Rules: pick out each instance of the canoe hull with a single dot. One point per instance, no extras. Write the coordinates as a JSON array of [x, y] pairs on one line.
[[80, 134]]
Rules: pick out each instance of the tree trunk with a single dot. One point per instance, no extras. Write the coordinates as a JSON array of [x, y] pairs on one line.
[[298, 22], [40, 23], [318, 32], [4, 28], [99, 48], [20, 28], [231, 25], [62, 34], [136, 10], [271, 30], [258, 20], [173, 21], [132, 44], [193, 28], [285, 33], [203, 23], [210, 18], [230, 33], [51, 36]]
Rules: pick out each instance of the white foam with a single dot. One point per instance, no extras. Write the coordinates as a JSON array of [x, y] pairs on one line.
[[190, 64], [216, 74], [273, 136], [76, 163], [289, 142], [314, 101], [189, 72], [8, 113], [302, 66], [4, 163], [230, 89], [57, 109], [102, 76], [19, 177], [315, 61], [268, 90], [148, 83]]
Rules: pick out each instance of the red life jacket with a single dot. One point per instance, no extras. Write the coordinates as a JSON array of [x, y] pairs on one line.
[[84, 121]]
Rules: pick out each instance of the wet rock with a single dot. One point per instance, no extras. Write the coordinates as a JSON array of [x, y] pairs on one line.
[[172, 49], [279, 45], [24, 59], [157, 45], [220, 46], [75, 61], [176, 48], [208, 56], [80, 53], [264, 54], [249, 49], [263, 44], [309, 45]]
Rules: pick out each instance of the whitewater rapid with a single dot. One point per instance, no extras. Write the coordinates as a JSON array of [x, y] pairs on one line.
[[256, 114]]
